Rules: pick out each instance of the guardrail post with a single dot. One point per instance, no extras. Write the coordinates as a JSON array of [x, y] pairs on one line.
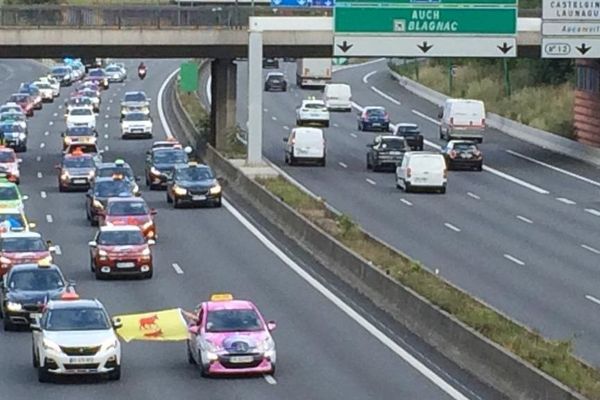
[[255, 96]]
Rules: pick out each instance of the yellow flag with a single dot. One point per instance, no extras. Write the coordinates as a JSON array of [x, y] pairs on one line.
[[165, 325]]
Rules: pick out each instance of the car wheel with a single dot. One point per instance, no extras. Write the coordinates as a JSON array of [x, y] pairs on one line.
[[359, 126], [443, 190], [34, 358], [218, 203], [7, 325], [43, 375], [441, 134], [369, 166], [298, 122], [61, 188], [147, 181], [99, 275], [176, 203], [323, 162], [203, 368], [190, 357], [407, 187], [326, 124], [292, 160], [93, 222], [148, 275], [92, 266], [115, 374], [480, 167]]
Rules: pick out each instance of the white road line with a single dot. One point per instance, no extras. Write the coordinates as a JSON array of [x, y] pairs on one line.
[[114, 95], [106, 116], [42, 145], [161, 113], [110, 101], [49, 218], [57, 250], [371, 181], [590, 248], [265, 109], [566, 201], [365, 78], [274, 118], [177, 268], [385, 96], [51, 123], [451, 227], [287, 128], [60, 107], [514, 259], [55, 115], [427, 117], [527, 220], [106, 148], [353, 135], [38, 158], [516, 180], [552, 167], [473, 195], [209, 89], [270, 379], [593, 211], [342, 165], [351, 66], [39, 174], [106, 125], [107, 108], [336, 125], [592, 299], [43, 194], [105, 136], [408, 203], [46, 133]]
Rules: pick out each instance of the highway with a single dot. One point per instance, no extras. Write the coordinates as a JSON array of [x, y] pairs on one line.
[[332, 343], [522, 235]]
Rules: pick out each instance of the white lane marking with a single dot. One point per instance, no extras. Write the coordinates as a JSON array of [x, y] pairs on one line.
[[105, 136], [590, 248], [365, 78], [371, 181], [566, 201], [527, 220], [593, 211], [274, 118], [209, 89], [57, 250], [336, 125], [39, 174], [592, 299], [451, 227], [114, 95], [38, 158], [353, 135], [348, 310], [110, 101], [107, 108], [552, 167], [427, 117], [177, 268], [46, 133], [106, 148], [473, 195], [516, 180], [42, 145], [287, 128], [106, 125], [408, 203], [106, 116], [265, 109], [342, 165], [49, 218], [385, 96], [270, 379], [514, 259], [161, 113], [60, 107], [51, 123], [55, 115], [43, 194]]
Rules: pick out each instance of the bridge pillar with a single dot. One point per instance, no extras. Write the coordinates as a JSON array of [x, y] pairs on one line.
[[255, 96], [223, 106]]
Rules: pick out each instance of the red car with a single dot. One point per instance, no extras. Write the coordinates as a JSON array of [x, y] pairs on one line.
[[120, 250], [23, 248], [129, 211], [25, 101]]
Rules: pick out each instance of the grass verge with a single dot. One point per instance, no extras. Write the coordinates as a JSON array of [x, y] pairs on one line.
[[551, 356]]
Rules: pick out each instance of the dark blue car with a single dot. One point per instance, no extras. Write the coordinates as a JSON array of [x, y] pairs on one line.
[[374, 119]]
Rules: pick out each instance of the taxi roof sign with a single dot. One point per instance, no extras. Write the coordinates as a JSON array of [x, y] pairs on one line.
[[119, 161], [69, 295], [44, 263], [193, 163], [221, 297]]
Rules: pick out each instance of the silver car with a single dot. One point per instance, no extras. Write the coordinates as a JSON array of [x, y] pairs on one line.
[[115, 73]]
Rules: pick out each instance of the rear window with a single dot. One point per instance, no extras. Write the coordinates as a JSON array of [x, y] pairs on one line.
[[376, 112], [81, 111], [427, 162], [339, 90], [393, 144], [314, 106], [468, 109], [407, 131], [465, 147]]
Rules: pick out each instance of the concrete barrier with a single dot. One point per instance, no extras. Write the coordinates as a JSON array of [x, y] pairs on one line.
[[466, 347]]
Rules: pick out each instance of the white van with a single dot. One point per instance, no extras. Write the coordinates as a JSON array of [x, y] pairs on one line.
[[462, 119], [338, 96], [422, 169], [305, 145]]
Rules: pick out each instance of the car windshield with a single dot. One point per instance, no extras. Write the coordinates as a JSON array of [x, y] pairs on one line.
[[59, 70], [7, 157], [376, 112], [465, 147], [17, 98], [137, 116], [119, 208], [113, 69], [78, 162], [92, 149], [80, 131], [81, 112], [112, 189], [8, 193], [11, 128], [276, 77], [314, 106], [23, 244], [393, 144], [36, 280], [12, 117], [15, 220], [233, 321], [407, 130], [194, 174], [42, 85], [5, 109], [76, 319], [89, 93], [135, 97], [170, 157], [106, 172], [121, 238], [96, 72]]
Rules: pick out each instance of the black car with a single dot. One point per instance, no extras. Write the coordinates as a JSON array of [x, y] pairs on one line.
[[412, 134], [62, 74], [118, 167], [104, 188], [193, 184], [463, 154], [75, 172], [270, 63], [386, 151], [13, 135], [275, 81], [373, 119], [26, 289], [160, 163]]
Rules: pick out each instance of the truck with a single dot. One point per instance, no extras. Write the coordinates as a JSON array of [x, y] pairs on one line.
[[313, 72]]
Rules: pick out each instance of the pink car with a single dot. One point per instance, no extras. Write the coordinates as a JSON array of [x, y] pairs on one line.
[[231, 337]]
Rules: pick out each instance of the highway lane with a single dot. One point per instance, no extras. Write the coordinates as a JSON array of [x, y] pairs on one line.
[[520, 250], [324, 355]]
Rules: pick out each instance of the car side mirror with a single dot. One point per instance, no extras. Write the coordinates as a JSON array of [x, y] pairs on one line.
[[117, 323], [151, 242], [92, 243], [370, 145], [285, 140], [440, 114], [194, 329], [271, 326], [35, 326], [153, 211], [221, 180], [101, 213], [25, 197], [32, 225]]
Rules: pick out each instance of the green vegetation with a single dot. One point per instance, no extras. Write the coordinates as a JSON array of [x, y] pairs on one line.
[[551, 356], [518, 98]]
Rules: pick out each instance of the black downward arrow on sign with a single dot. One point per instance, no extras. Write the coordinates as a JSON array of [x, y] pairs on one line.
[[505, 48], [424, 47], [345, 46], [583, 49]]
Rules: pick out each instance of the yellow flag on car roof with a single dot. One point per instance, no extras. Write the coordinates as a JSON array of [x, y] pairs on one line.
[[165, 325]]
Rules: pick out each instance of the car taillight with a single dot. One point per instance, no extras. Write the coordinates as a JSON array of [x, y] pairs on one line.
[[452, 153], [477, 153], [483, 121], [293, 141], [451, 120], [408, 172], [445, 173]]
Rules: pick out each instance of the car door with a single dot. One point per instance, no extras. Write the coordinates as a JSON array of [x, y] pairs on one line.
[[195, 339]]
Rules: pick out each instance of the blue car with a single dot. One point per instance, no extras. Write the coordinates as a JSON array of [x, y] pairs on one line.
[[374, 119]]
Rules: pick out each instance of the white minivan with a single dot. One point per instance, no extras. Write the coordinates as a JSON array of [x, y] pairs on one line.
[[305, 145], [462, 119], [422, 169], [338, 96]]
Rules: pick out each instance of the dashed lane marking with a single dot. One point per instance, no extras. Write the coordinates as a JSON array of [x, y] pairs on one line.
[[514, 259], [342, 165], [590, 248], [593, 211], [177, 268], [49, 218], [527, 220], [451, 227], [39, 175], [566, 201], [473, 195], [408, 203], [371, 181], [43, 194]]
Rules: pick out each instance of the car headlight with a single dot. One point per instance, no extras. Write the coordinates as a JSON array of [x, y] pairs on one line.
[[12, 306], [91, 174], [67, 140], [215, 189], [64, 176], [146, 252], [136, 188], [179, 190], [155, 172], [110, 344], [97, 204], [50, 345], [47, 259], [102, 253], [267, 345], [211, 347], [22, 135], [5, 260], [147, 225]]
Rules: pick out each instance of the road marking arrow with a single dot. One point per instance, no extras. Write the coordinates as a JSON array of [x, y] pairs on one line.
[[505, 48], [345, 46], [424, 47], [583, 49]]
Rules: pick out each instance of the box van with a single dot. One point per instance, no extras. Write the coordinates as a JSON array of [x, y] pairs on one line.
[[338, 96], [305, 145], [462, 119], [422, 169]]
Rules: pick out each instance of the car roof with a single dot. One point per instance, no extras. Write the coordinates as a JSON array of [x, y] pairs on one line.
[[101, 179], [230, 305], [129, 199], [80, 303], [11, 210], [23, 234], [305, 129], [182, 166], [33, 267], [10, 104], [84, 155], [135, 92], [275, 73], [407, 125], [120, 228], [112, 165], [374, 108]]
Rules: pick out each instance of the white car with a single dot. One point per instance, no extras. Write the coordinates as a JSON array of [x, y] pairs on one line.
[[15, 117], [305, 145], [81, 116], [10, 163], [54, 84], [422, 169], [10, 107], [136, 124], [74, 337], [312, 111], [46, 91]]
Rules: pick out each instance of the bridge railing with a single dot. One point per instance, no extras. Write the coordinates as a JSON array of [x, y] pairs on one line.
[[224, 16]]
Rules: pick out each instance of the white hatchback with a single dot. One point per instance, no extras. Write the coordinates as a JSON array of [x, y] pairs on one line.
[[422, 170], [81, 116]]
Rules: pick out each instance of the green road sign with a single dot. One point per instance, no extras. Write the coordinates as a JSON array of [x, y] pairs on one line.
[[425, 20], [188, 75]]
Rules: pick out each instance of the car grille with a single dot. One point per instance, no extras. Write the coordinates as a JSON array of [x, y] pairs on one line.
[[80, 351], [81, 366], [33, 307], [257, 359], [199, 192]]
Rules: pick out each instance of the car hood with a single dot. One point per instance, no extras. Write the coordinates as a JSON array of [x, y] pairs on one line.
[[79, 171], [128, 219], [11, 166], [127, 249], [26, 256], [33, 297], [11, 203], [12, 134], [135, 103], [237, 342], [207, 184], [80, 338]]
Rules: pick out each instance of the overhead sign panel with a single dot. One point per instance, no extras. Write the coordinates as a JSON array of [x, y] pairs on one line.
[[571, 29], [303, 3]]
